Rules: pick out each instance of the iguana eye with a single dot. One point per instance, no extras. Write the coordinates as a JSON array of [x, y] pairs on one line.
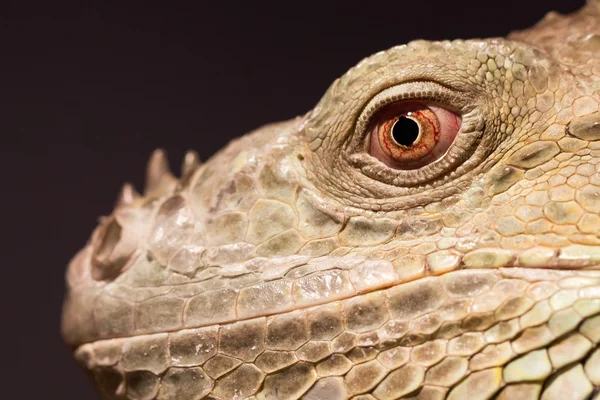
[[410, 135]]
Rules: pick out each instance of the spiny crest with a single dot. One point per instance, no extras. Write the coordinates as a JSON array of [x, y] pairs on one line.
[[160, 181], [159, 178], [128, 196], [191, 162]]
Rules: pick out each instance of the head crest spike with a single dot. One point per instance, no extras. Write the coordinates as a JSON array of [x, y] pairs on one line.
[[159, 179], [128, 195], [191, 161]]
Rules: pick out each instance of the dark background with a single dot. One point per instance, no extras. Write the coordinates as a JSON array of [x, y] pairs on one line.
[[87, 91]]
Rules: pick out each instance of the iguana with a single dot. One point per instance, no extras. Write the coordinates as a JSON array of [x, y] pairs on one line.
[[430, 230]]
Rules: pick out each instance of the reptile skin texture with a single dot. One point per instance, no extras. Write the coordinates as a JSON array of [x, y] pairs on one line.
[[295, 264]]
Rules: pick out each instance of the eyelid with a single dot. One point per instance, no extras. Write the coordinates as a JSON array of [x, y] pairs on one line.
[[465, 149]]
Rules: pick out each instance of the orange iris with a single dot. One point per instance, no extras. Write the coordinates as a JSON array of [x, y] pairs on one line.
[[409, 135]]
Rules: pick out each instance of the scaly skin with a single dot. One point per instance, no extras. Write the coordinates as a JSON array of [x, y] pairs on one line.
[[295, 265]]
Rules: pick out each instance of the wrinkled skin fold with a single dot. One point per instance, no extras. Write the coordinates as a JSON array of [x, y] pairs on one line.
[[293, 264]]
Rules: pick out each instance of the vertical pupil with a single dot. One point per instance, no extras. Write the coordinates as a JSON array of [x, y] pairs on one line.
[[405, 131]]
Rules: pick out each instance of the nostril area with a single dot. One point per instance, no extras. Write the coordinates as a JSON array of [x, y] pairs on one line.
[[111, 250]]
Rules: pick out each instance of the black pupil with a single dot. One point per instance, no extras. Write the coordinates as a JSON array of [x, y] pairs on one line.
[[405, 131]]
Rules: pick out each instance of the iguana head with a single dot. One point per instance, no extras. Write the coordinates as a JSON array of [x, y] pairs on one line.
[[416, 233]]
